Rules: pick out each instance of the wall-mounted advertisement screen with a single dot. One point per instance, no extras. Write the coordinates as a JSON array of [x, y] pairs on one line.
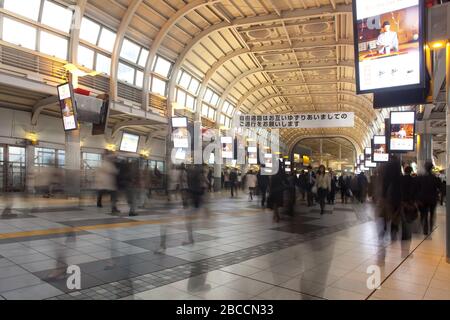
[[389, 41], [252, 155], [68, 107], [179, 122], [180, 138], [268, 157], [402, 131], [129, 142], [227, 147], [379, 149]]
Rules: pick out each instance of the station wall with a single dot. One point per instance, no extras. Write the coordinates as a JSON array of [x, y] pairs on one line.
[[16, 125]]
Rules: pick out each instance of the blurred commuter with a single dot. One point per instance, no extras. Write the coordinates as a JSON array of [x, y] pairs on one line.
[[276, 196], [334, 187], [409, 210], [106, 182], [173, 183], [311, 181], [291, 185], [226, 179], [355, 188], [427, 197], [233, 182], [263, 184], [302, 183], [343, 188], [392, 196], [323, 186], [251, 182], [210, 180], [443, 191], [362, 186]]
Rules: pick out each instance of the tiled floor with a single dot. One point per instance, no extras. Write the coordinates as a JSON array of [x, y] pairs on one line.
[[238, 253]]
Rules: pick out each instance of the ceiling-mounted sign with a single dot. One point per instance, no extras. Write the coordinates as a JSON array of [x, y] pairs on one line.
[[303, 120], [389, 41]]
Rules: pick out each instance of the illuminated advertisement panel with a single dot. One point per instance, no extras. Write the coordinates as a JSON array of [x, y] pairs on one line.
[[389, 41], [227, 148], [129, 142], [252, 155], [68, 107], [402, 131], [379, 149]]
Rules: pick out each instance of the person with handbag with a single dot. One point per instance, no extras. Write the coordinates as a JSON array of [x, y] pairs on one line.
[[323, 185], [409, 212]]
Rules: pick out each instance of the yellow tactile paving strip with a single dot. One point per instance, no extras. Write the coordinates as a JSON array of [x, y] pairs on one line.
[[24, 234]]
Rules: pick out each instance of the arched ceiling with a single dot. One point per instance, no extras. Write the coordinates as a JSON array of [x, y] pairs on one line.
[[264, 55]]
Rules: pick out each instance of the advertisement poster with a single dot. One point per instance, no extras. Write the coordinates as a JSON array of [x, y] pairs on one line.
[[67, 105], [227, 149], [379, 149], [252, 155], [129, 142], [180, 138], [179, 122], [402, 131], [389, 47]]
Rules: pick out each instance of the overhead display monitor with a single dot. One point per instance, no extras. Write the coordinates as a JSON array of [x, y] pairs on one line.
[[379, 149], [389, 41], [227, 149], [180, 138], [67, 105], [368, 151], [252, 155], [179, 122], [129, 142], [402, 131]]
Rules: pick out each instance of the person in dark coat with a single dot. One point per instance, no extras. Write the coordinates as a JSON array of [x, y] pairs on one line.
[[343, 188], [233, 182], [392, 195], [409, 210], [363, 186], [277, 187], [263, 184], [427, 196], [310, 182]]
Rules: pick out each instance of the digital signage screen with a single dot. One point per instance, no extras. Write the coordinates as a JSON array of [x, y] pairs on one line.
[[68, 107], [129, 142], [402, 131], [389, 41], [180, 138], [379, 149], [252, 155], [227, 149], [179, 122]]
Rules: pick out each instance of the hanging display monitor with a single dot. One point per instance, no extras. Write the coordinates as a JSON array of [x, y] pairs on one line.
[[379, 149], [402, 131], [252, 155], [268, 160], [179, 122], [129, 142], [389, 42], [227, 149], [68, 106]]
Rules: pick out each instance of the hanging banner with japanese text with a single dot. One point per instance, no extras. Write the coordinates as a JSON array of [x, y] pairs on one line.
[[303, 120]]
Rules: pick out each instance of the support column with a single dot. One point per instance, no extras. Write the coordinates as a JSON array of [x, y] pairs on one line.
[[30, 178], [447, 167], [424, 150], [321, 150], [73, 164]]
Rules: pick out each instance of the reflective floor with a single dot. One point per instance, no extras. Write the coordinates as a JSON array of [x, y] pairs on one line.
[[238, 253]]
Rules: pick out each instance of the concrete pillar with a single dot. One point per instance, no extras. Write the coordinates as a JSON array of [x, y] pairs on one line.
[[73, 164], [424, 150], [30, 179], [321, 150], [447, 167]]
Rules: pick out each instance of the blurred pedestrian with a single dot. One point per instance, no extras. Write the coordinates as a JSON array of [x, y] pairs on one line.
[[251, 182], [323, 186], [263, 184], [427, 195], [106, 182]]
